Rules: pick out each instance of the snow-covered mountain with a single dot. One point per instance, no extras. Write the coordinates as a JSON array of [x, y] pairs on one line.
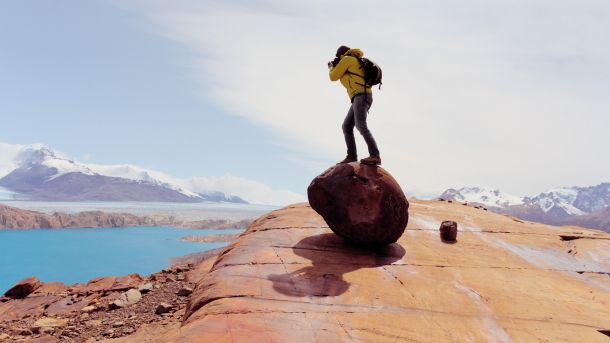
[[39, 172], [556, 206], [483, 196]]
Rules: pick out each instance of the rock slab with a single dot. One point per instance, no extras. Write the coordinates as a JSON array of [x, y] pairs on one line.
[[23, 288], [361, 203], [289, 278]]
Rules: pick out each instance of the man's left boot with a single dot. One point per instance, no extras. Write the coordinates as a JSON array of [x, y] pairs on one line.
[[371, 160]]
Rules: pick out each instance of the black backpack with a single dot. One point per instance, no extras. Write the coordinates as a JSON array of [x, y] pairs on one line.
[[372, 72]]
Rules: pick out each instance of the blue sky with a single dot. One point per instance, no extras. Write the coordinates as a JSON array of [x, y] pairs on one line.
[[511, 95], [86, 78]]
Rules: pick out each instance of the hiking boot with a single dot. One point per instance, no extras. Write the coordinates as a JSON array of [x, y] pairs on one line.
[[371, 160], [348, 160]]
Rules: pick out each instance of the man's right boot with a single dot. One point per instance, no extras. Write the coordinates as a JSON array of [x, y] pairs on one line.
[[371, 160]]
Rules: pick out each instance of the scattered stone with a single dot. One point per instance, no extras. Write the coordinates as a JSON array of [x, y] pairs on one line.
[[130, 297], [170, 279], [145, 288], [181, 269], [448, 231], [185, 291], [17, 331], [23, 288], [118, 324], [109, 332], [361, 203], [88, 309], [164, 308], [128, 330], [93, 323], [4, 337], [180, 277], [46, 330], [49, 322]]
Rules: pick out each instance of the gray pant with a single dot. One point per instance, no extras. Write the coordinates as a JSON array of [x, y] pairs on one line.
[[356, 116]]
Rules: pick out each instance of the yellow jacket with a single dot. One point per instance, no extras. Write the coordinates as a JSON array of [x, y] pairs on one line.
[[349, 71]]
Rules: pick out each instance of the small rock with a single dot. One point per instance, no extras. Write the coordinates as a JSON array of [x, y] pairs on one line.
[[118, 324], [145, 288], [88, 309], [448, 231], [170, 279], [20, 331], [130, 297], [128, 330], [181, 269], [93, 323], [108, 332], [49, 322], [180, 277], [184, 291], [23, 288], [164, 308], [46, 331], [4, 337]]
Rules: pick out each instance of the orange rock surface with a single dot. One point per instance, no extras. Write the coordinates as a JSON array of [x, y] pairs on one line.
[[288, 278]]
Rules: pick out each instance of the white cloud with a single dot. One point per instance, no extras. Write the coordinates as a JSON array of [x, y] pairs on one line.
[[250, 190], [512, 94], [8, 156]]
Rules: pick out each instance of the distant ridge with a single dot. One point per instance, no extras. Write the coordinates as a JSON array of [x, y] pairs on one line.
[[583, 206]]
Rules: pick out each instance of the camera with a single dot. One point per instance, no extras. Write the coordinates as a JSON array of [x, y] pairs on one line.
[[334, 62]]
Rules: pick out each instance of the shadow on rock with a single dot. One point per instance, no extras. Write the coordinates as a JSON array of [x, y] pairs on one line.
[[331, 257]]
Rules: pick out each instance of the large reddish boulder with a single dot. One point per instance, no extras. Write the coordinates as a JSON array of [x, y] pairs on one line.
[[23, 288], [361, 203]]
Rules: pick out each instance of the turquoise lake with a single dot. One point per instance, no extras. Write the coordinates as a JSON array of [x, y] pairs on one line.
[[78, 255]]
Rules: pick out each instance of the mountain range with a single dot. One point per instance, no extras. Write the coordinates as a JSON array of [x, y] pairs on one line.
[[36, 172], [582, 206]]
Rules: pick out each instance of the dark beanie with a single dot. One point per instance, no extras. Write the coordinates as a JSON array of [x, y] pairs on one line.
[[342, 49]]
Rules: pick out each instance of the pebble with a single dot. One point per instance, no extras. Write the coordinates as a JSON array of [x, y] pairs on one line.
[[184, 291], [164, 308], [88, 309]]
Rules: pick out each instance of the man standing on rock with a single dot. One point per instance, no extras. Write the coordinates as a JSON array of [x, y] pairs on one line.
[[347, 68]]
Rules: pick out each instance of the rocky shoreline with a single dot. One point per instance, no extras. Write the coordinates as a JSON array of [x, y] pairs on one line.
[[104, 308]]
